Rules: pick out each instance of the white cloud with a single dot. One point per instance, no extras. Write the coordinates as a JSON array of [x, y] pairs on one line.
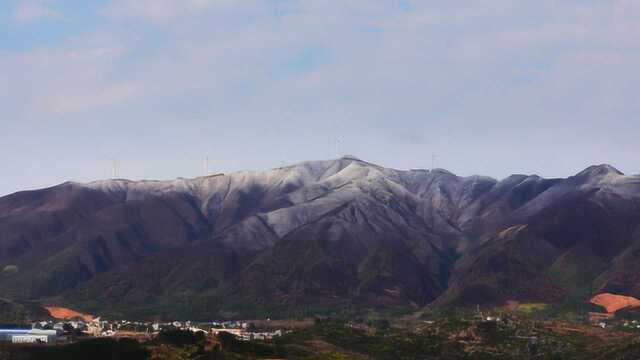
[[163, 10], [436, 55], [65, 103], [29, 11], [489, 84], [56, 83]]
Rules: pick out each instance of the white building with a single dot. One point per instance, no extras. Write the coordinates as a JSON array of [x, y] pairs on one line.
[[29, 339], [27, 335], [194, 329]]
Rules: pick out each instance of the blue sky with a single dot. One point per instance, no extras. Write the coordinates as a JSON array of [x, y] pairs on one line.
[[27, 25], [492, 87]]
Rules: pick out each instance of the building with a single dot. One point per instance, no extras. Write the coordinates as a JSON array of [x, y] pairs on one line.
[[246, 335], [194, 329], [28, 335], [94, 329], [29, 339], [236, 332], [596, 317]]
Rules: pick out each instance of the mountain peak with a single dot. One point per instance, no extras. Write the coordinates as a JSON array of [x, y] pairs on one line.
[[351, 157], [600, 170]]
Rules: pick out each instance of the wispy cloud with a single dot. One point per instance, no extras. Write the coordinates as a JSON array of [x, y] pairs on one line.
[[158, 10], [29, 11], [489, 85]]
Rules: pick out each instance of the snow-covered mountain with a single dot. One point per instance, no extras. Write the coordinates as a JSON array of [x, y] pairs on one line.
[[321, 232]]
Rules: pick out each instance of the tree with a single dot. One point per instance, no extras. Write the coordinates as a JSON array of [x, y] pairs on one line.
[[216, 353], [68, 329], [228, 341], [180, 337], [97, 349]]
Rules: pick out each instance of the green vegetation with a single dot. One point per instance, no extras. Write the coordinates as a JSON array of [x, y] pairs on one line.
[[179, 337], [522, 333], [10, 270], [94, 349], [456, 335], [20, 312], [530, 308]]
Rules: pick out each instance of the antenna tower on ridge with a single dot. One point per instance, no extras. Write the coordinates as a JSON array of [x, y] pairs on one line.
[[114, 169]]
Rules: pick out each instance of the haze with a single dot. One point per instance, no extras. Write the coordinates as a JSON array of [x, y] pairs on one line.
[[492, 87]]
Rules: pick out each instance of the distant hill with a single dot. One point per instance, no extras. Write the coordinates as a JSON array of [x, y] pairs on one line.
[[321, 235]]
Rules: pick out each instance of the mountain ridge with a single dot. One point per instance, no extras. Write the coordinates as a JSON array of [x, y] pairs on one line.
[[321, 232]]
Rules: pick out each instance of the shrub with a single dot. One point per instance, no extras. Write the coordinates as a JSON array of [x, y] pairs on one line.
[[97, 349], [10, 269], [179, 337]]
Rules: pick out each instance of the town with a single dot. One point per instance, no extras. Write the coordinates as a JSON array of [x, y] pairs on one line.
[[61, 331], [517, 329]]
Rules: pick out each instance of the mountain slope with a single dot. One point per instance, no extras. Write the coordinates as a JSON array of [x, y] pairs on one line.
[[333, 233], [580, 230]]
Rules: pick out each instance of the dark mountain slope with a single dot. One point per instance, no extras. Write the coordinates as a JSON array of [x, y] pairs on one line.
[[354, 251], [559, 243], [17, 313], [33, 221], [326, 232], [492, 210]]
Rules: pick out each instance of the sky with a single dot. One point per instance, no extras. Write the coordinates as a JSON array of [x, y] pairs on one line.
[[490, 87]]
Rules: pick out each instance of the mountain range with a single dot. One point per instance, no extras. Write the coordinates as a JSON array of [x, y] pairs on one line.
[[320, 235]]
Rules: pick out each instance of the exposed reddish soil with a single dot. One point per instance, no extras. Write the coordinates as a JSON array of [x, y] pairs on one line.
[[613, 302], [67, 314]]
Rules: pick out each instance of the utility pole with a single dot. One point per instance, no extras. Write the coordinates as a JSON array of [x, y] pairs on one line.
[[433, 161], [114, 169], [479, 312]]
